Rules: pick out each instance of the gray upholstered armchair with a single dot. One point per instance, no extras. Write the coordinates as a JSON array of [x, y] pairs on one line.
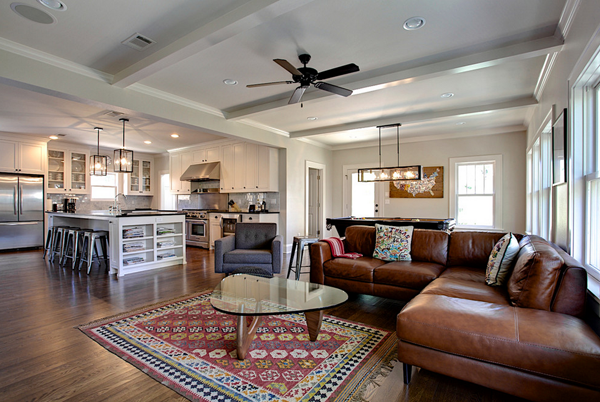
[[254, 244]]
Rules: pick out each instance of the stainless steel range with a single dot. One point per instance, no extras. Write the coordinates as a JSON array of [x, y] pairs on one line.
[[198, 227]]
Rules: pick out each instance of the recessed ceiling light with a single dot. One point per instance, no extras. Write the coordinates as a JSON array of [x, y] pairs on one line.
[[53, 4], [414, 23], [32, 13], [147, 142], [175, 135], [312, 118], [53, 137], [447, 95], [229, 81]]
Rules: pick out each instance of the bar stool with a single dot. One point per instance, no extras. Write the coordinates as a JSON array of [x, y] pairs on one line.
[[57, 243], [89, 248], [298, 248], [72, 238], [49, 240]]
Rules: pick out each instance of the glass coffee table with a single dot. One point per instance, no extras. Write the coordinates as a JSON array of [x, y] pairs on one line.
[[252, 296]]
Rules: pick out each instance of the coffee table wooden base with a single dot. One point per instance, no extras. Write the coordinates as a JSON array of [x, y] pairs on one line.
[[246, 333]]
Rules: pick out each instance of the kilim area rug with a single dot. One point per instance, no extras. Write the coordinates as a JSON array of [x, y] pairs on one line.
[[191, 348]]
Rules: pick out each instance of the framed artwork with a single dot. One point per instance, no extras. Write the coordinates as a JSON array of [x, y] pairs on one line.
[[559, 149], [431, 186]]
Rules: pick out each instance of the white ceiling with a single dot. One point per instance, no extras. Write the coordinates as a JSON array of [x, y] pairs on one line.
[[491, 54]]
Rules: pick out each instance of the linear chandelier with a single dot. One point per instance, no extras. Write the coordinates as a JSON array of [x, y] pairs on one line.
[[98, 163], [123, 160], [411, 173]]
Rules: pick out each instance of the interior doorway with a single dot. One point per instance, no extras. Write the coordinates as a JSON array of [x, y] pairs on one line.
[[315, 189], [361, 199], [168, 201]]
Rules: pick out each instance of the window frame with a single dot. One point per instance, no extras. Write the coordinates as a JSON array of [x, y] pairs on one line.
[[496, 161], [116, 187]]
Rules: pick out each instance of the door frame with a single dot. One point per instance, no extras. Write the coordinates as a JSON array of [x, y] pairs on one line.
[[347, 196], [322, 168]]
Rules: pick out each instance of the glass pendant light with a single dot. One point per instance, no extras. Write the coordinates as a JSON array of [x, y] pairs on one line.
[[123, 158], [410, 173], [98, 163]]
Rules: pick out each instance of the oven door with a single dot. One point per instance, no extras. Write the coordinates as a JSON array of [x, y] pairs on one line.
[[197, 232]]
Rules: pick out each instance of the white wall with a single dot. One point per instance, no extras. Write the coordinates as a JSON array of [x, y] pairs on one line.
[[437, 153]]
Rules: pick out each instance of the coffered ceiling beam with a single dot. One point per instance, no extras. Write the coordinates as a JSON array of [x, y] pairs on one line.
[[247, 16], [405, 73], [419, 117]]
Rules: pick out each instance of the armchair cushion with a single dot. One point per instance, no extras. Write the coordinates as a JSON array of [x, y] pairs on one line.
[[241, 256], [254, 235]]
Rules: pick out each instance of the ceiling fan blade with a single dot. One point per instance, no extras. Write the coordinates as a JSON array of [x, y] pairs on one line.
[[336, 72], [288, 66], [297, 95], [333, 89], [266, 84]]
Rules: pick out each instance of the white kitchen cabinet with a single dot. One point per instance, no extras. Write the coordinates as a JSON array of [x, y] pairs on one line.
[[262, 218], [141, 180], [178, 164], [247, 167], [68, 171], [22, 157], [206, 155]]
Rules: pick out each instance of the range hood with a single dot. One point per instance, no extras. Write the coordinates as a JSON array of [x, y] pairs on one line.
[[202, 171]]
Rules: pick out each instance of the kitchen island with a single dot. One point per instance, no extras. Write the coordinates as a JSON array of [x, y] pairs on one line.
[[138, 240]]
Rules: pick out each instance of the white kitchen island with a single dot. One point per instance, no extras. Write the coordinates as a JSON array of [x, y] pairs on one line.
[[138, 241]]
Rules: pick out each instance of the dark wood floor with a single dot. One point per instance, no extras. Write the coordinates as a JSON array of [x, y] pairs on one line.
[[44, 358]]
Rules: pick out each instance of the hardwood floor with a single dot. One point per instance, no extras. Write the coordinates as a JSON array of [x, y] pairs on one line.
[[44, 358]]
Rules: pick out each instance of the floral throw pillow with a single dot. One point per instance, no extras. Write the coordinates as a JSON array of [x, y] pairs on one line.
[[392, 243], [501, 260]]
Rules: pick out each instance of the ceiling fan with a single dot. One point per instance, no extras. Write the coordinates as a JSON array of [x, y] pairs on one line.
[[306, 76]]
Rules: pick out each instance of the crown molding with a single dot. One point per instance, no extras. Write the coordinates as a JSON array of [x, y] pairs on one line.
[[566, 19], [255, 124], [315, 143]]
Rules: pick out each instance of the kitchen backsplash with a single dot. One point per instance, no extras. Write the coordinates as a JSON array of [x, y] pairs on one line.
[[85, 204], [193, 201]]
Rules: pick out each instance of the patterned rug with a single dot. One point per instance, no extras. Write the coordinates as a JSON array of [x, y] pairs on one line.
[[191, 348]]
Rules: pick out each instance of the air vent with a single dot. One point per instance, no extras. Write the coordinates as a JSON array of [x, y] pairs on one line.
[[138, 42], [113, 113]]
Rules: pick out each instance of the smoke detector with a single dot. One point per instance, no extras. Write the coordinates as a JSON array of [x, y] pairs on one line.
[[138, 42]]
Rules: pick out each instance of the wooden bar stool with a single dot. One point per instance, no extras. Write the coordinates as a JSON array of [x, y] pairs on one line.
[[298, 248], [89, 248]]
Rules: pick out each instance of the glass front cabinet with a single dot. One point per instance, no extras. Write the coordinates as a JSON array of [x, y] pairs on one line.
[[68, 171], [140, 181]]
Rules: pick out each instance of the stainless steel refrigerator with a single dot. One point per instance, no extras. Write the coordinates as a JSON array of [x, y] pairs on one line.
[[21, 211]]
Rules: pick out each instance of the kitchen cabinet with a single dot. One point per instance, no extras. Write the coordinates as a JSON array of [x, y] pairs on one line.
[[206, 155], [261, 218], [141, 180], [178, 164], [216, 231], [23, 157], [68, 171], [247, 167]]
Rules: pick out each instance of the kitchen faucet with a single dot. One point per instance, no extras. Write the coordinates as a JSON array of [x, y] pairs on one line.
[[116, 208]]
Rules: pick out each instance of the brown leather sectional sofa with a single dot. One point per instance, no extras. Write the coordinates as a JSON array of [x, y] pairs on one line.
[[526, 338]]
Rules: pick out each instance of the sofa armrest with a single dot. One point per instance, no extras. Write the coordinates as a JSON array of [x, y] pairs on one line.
[[277, 252], [320, 253], [222, 246]]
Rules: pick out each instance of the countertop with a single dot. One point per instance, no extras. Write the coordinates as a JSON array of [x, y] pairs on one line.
[[252, 213], [123, 214]]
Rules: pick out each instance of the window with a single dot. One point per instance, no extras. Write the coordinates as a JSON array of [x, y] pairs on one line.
[[475, 188], [104, 188], [539, 181], [592, 181]]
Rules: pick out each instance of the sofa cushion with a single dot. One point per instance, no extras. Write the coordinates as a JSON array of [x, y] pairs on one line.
[[360, 239], [408, 274], [501, 259], [541, 342], [476, 274], [240, 256], [360, 269], [535, 275], [471, 248], [392, 243], [430, 246], [467, 289]]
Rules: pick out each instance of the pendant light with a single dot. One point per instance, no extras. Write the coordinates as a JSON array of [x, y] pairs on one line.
[[98, 163], [123, 160], [411, 173]]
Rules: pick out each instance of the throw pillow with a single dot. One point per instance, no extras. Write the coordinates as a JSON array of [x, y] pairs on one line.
[[392, 243], [501, 260]]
